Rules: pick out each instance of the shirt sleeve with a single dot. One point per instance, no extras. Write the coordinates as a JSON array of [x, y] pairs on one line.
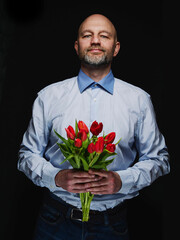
[[153, 156], [35, 140]]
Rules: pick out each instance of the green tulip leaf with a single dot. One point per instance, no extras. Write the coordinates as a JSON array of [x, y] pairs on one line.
[[85, 165], [66, 159], [64, 149], [73, 164], [94, 160]]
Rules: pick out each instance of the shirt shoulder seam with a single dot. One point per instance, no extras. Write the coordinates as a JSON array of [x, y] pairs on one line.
[[64, 83]]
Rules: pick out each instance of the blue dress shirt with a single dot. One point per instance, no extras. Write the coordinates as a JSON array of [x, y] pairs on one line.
[[122, 108]]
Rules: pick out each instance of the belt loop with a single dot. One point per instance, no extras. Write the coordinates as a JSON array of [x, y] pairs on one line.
[[68, 214], [106, 219]]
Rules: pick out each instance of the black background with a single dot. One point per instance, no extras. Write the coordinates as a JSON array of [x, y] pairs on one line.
[[37, 49]]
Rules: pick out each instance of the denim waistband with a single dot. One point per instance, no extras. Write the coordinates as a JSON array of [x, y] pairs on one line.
[[69, 211]]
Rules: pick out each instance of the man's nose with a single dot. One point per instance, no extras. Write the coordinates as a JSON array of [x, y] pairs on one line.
[[95, 40]]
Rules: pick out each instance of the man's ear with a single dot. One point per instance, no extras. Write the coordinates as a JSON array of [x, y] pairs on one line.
[[117, 49], [76, 47]]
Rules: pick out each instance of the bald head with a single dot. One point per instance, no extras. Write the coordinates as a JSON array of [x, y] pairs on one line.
[[98, 21], [97, 43]]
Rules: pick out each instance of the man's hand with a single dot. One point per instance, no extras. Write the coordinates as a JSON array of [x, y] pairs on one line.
[[109, 183], [94, 181], [75, 181]]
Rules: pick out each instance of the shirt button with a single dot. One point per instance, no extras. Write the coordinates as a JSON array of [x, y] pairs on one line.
[[94, 99], [95, 85]]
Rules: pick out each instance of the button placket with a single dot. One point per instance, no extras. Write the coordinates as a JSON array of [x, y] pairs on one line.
[[93, 113]]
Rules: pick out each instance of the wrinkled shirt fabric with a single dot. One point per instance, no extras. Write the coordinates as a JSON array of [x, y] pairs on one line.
[[142, 154]]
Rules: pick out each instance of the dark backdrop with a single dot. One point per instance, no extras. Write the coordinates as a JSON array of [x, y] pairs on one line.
[[37, 39]]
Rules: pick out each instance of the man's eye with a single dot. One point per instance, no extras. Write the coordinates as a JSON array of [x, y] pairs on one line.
[[104, 36], [86, 36]]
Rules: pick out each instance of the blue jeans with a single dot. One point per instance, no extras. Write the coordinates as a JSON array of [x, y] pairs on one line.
[[53, 225]]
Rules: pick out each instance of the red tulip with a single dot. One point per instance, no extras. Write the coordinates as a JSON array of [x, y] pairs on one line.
[[99, 145], [82, 126], [96, 128], [70, 132], [91, 147], [82, 135], [110, 138], [111, 147], [78, 143]]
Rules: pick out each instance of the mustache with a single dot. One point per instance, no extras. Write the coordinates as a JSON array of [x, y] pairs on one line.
[[95, 47]]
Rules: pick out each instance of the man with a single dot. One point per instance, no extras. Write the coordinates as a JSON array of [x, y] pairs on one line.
[[125, 109]]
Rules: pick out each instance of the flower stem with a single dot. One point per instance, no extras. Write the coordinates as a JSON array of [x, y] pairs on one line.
[[86, 199]]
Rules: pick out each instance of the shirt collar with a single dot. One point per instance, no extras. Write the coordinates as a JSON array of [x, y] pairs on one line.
[[107, 83]]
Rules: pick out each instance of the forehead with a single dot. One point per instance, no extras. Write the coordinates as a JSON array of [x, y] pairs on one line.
[[97, 24]]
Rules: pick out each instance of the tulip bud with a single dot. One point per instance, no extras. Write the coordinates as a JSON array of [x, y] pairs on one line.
[[111, 147], [91, 147], [99, 145], [110, 138], [82, 135], [70, 132], [96, 128], [78, 143], [82, 126]]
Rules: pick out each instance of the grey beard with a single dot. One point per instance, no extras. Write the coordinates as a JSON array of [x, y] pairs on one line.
[[95, 61]]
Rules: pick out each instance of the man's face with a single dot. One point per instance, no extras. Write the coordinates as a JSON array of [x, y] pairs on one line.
[[96, 44]]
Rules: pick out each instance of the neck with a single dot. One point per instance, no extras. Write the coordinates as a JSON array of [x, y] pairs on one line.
[[96, 73]]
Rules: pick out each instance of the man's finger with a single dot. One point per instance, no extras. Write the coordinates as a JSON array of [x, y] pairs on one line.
[[96, 184], [85, 180], [99, 190], [101, 173], [83, 174]]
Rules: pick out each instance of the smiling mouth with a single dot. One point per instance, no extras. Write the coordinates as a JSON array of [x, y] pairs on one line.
[[96, 50]]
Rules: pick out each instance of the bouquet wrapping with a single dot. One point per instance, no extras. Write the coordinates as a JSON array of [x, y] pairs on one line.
[[85, 151]]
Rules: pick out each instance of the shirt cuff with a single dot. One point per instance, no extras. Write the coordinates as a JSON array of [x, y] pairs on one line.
[[48, 176], [127, 181]]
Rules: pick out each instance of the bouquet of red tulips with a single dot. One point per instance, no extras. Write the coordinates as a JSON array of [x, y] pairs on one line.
[[84, 151]]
